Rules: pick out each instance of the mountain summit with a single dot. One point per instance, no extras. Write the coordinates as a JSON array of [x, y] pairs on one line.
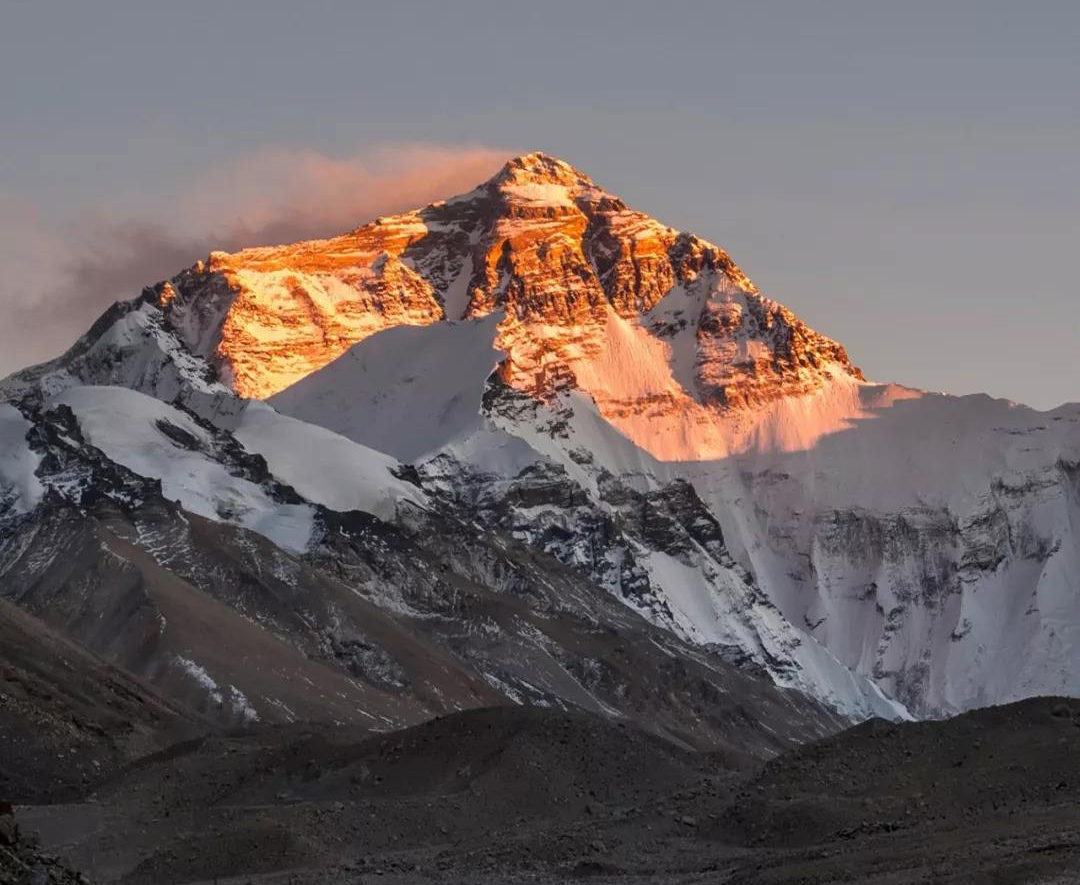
[[578, 275]]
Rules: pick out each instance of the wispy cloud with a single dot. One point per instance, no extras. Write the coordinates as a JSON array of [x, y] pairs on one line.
[[55, 278]]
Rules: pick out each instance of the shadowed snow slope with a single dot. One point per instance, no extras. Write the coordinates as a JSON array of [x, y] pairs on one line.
[[933, 545], [409, 391]]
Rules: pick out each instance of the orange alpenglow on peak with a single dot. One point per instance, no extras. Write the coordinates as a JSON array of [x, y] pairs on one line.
[[540, 168], [583, 280]]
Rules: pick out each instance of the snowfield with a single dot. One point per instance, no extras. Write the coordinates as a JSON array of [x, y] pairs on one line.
[[864, 511]]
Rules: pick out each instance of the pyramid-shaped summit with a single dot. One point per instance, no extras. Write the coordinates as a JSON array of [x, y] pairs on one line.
[[594, 296], [540, 168], [539, 240]]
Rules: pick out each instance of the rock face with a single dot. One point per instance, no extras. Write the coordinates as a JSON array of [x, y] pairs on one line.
[[537, 362]]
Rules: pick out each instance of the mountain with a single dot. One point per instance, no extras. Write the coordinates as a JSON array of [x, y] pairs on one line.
[[536, 393]]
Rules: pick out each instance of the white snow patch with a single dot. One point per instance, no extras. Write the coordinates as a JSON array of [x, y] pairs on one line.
[[456, 297], [538, 194], [199, 674], [230, 696]]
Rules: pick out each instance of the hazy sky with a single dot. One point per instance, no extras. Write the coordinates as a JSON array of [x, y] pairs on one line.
[[904, 175]]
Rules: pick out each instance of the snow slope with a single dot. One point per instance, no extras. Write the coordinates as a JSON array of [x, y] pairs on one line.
[[409, 391], [921, 541], [130, 346], [133, 430], [163, 442], [324, 467]]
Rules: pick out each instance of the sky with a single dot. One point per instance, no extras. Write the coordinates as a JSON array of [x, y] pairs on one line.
[[904, 176]]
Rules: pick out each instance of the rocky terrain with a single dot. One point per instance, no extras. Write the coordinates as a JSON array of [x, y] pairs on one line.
[[524, 794], [22, 860], [60, 702]]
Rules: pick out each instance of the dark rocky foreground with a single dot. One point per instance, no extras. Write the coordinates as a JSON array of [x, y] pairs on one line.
[[22, 859], [524, 794]]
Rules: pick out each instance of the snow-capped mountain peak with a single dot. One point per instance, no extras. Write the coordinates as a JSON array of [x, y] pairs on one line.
[[618, 395], [585, 282]]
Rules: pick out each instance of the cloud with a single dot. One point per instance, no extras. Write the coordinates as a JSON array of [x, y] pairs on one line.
[[57, 277]]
